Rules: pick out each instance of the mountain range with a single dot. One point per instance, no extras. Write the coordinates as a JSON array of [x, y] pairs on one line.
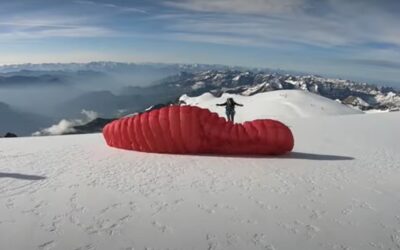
[[113, 89], [111, 67], [359, 95], [169, 81]]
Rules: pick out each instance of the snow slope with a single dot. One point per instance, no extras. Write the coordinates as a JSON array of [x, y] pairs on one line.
[[281, 104], [340, 189]]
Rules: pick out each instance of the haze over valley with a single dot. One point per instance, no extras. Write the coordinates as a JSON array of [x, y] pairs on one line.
[[36, 96]]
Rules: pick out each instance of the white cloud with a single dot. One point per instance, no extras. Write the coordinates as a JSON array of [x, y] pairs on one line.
[[215, 38], [34, 28], [67, 126], [85, 2], [112, 6], [240, 6], [260, 31], [90, 114], [330, 24]]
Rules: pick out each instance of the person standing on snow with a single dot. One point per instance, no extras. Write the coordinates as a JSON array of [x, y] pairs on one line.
[[230, 108]]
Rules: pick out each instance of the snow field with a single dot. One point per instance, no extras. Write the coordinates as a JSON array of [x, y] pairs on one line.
[[339, 189]]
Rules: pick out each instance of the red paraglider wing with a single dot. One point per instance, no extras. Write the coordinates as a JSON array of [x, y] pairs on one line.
[[193, 130]]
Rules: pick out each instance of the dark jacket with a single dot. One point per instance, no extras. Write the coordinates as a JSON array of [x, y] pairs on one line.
[[230, 105]]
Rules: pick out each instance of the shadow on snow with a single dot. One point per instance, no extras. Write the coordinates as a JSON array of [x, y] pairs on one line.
[[22, 176], [292, 155], [316, 157]]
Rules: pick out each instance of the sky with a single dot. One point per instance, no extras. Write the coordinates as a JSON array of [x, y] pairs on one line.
[[357, 39]]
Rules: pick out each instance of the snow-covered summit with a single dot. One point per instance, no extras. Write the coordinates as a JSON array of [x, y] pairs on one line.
[[282, 105]]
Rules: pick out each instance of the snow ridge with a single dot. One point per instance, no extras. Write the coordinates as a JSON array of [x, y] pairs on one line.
[[283, 105]]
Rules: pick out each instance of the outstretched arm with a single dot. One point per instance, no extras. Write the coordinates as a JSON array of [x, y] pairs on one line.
[[238, 104], [221, 104]]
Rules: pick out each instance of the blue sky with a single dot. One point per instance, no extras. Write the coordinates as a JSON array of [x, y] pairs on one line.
[[357, 39]]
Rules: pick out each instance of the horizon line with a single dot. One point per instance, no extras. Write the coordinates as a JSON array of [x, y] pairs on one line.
[[324, 75]]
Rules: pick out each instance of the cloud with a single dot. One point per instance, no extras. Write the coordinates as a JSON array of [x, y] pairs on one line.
[[378, 63], [85, 2], [301, 34], [215, 39], [112, 6], [67, 126], [324, 23], [31, 28], [31, 23], [258, 31], [240, 6], [63, 127], [383, 56], [90, 115]]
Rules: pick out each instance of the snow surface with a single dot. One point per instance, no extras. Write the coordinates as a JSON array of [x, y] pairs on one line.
[[283, 105], [339, 189]]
